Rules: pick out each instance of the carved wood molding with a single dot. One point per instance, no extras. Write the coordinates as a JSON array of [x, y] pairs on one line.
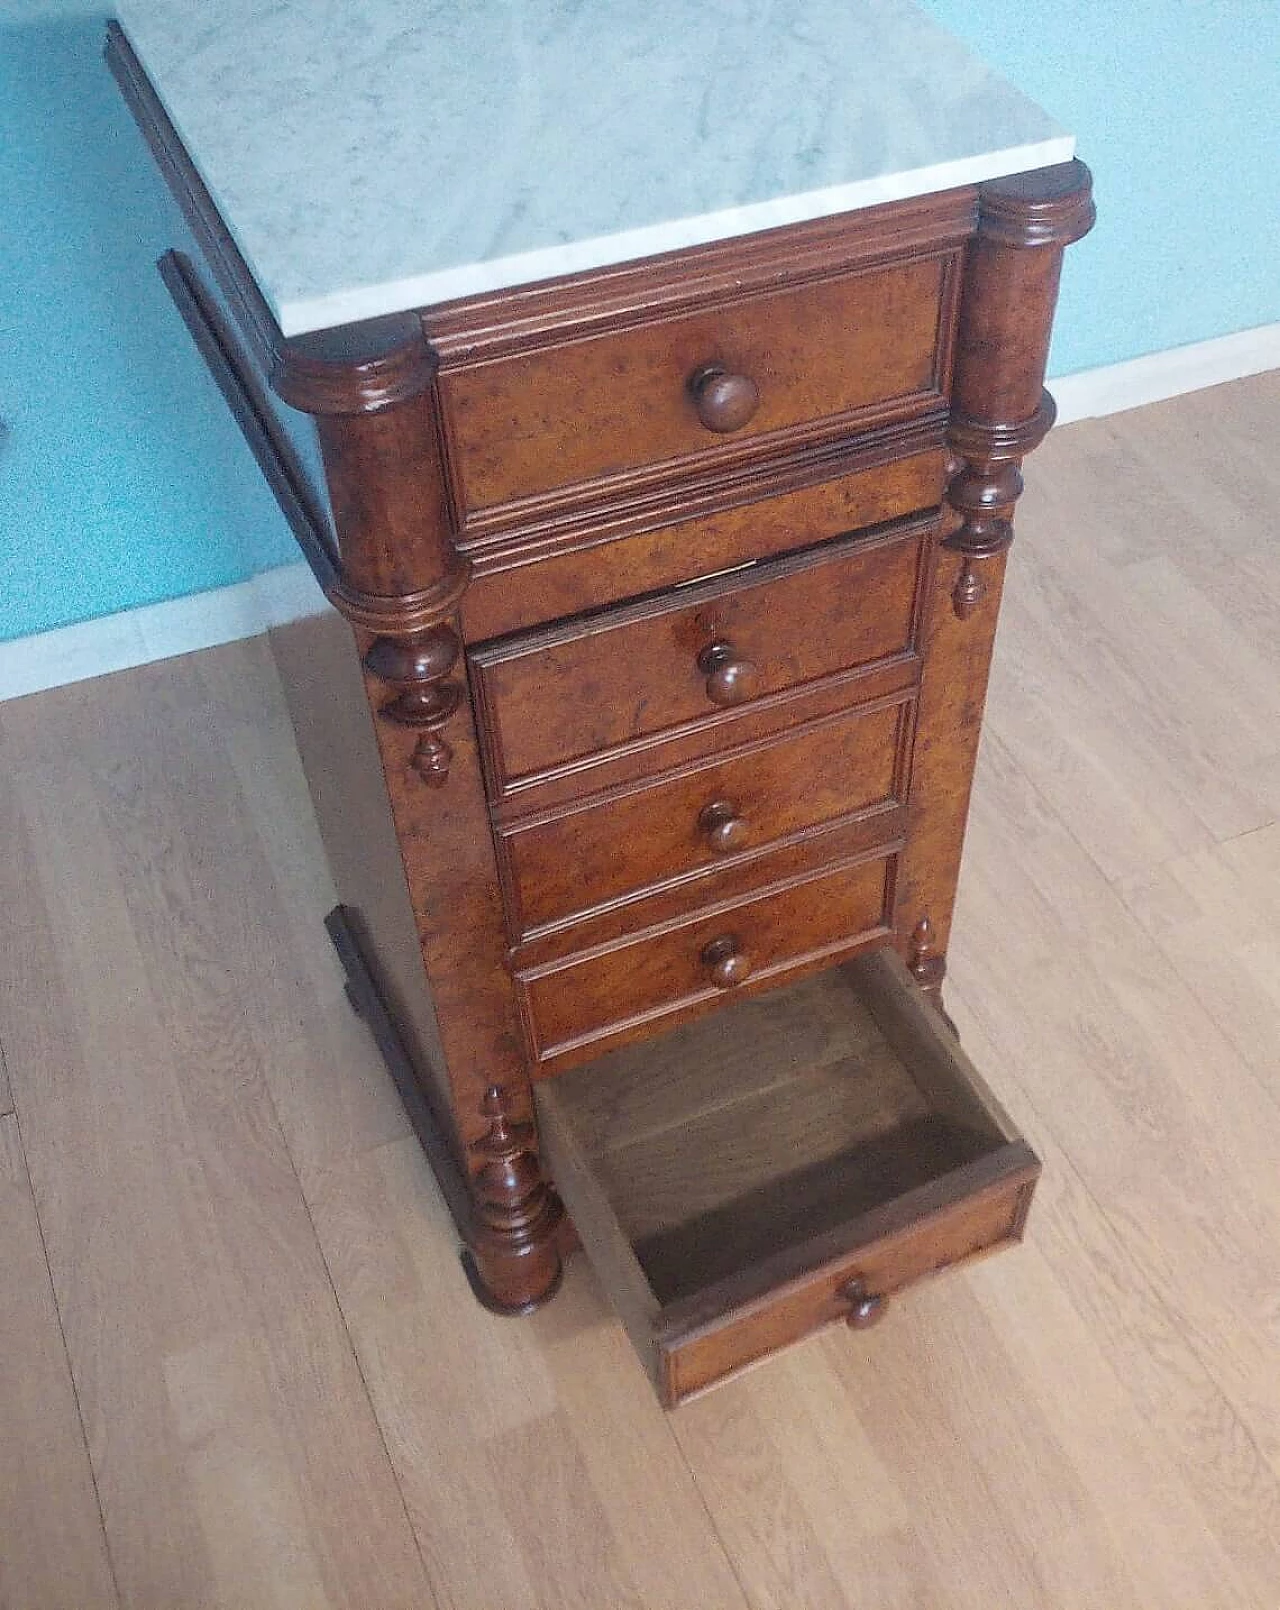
[[517, 1214], [1001, 410], [983, 488], [555, 525], [1046, 207], [402, 614], [928, 966], [690, 278], [413, 653], [370, 387], [417, 667], [355, 369]]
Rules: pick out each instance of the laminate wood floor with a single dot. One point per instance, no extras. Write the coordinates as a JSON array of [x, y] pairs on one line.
[[239, 1366]]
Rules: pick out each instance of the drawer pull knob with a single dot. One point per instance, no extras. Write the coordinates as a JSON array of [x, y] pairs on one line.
[[730, 678], [865, 1310], [722, 827], [726, 961], [725, 401]]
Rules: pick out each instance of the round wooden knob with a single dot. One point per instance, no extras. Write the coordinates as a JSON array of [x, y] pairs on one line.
[[730, 678], [726, 961], [865, 1310], [725, 402], [722, 827]]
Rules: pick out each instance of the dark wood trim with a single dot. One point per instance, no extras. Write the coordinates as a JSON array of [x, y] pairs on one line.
[[229, 268], [1001, 412], [549, 1246], [687, 750], [544, 530], [355, 368], [1045, 207], [514, 534], [646, 288], [367, 1003], [235, 377]]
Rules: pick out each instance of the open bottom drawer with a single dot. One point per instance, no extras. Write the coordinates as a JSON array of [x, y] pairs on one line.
[[785, 1165]]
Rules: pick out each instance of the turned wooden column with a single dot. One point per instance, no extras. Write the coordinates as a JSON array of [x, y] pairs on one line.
[[1000, 411], [371, 390]]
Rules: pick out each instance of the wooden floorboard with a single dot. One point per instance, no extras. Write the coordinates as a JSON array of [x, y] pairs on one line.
[[235, 1450], [290, 1397], [52, 1547]]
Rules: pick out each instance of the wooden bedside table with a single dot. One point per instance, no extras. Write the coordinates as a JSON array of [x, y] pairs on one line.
[[673, 581]]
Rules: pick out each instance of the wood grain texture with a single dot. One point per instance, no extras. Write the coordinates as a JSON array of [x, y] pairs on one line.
[[822, 358], [562, 695], [53, 1550], [607, 1513], [604, 997], [1136, 679], [224, 1410], [880, 476], [1091, 1422], [734, 1212], [1000, 412], [691, 820], [6, 1094]]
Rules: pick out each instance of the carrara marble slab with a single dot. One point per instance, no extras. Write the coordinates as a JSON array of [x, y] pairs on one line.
[[372, 157]]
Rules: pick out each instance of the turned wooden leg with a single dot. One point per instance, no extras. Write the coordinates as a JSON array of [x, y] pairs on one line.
[[513, 1261], [929, 968]]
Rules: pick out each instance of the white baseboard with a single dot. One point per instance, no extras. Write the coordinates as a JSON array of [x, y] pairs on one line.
[[1161, 375], [159, 631], [289, 593]]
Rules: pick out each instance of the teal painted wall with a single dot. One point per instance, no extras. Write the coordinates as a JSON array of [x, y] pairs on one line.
[[122, 482], [122, 479], [1174, 106]]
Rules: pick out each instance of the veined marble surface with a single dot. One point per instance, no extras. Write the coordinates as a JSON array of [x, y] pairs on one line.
[[374, 155]]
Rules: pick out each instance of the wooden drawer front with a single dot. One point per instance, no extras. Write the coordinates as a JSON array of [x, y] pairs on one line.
[[745, 1182], [860, 348], [705, 816], [991, 1217], [625, 987], [552, 698], [569, 567]]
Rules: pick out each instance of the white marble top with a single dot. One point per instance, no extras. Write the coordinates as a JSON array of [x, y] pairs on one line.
[[371, 157]]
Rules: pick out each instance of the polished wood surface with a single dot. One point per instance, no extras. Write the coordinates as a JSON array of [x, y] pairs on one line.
[[723, 401], [1000, 1438], [591, 852], [719, 887], [620, 992], [1001, 412], [803, 362], [571, 692], [880, 477]]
